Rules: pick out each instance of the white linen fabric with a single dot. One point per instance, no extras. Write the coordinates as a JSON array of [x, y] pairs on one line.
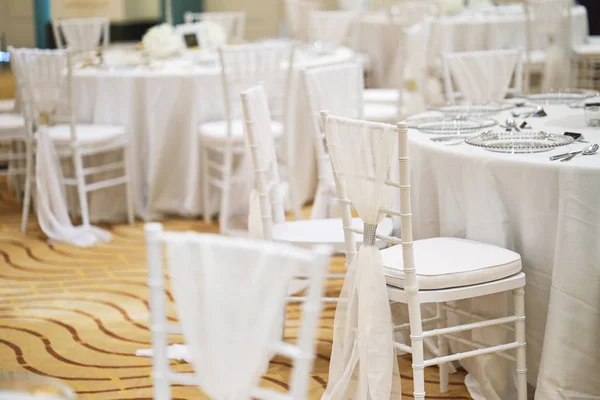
[[337, 89], [547, 212], [504, 28], [363, 359], [481, 76], [230, 314], [43, 76], [83, 34], [161, 108]]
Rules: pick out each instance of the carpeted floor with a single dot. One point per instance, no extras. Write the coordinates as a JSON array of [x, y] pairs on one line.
[[79, 314]]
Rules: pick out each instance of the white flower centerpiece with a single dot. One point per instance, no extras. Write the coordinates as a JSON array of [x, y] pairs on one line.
[[161, 42]]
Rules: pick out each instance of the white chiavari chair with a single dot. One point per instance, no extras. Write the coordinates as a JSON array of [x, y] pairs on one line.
[[297, 17], [82, 34], [410, 75], [234, 23], [15, 147], [44, 79], [414, 272], [482, 76], [587, 66], [229, 294], [243, 66], [548, 43], [266, 217], [337, 28]]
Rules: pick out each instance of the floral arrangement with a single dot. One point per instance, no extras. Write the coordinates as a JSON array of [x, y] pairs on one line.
[[212, 35], [451, 6], [162, 42]]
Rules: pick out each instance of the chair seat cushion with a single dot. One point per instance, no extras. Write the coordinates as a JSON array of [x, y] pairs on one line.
[[216, 132], [86, 134], [312, 232], [7, 105], [451, 262], [374, 112], [11, 122], [386, 96]]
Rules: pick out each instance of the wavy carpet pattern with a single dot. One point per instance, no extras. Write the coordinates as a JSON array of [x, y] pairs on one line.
[[80, 314]]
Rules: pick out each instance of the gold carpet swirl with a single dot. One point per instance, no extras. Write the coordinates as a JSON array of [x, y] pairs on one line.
[[80, 314]]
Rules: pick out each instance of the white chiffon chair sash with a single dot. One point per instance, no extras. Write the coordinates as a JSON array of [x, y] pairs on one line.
[[83, 34], [230, 314], [483, 76], [363, 359], [44, 76]]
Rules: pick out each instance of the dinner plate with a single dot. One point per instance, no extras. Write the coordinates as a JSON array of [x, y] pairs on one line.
[[474, 110], [563, 96], [451, 127], [519, 142]]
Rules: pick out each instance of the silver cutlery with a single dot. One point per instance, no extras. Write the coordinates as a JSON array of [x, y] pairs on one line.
[[588, 151], [565, 155]]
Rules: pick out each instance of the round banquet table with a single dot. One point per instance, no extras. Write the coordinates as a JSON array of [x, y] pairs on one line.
[[161, 108], [501, 27], [549, 212]]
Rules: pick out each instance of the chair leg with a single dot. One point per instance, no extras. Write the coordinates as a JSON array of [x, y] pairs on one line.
[[83, 204], [418, 356], [443, 347], [519, 300], [128, 189], [206, 185], [28, 183], [226, 192]]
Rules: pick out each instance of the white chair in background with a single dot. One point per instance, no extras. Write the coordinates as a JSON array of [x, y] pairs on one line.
[[234, 23], [413, 272], [338, 89], [482, 76], [44, 81], [243, 66], [267, 218], [587, 66], [81, 34], [410, 70], [336, 28], [548, 43], [229, 295], [297, 17]]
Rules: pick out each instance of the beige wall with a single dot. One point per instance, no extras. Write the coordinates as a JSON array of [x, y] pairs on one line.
[[16, 22], [116, 10], [262, 16]]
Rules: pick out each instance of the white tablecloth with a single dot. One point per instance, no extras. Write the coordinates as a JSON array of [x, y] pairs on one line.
[[467, 31], [547, 211], [162, 109]]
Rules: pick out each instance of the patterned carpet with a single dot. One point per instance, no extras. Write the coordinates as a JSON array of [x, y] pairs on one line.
[[80, 314]]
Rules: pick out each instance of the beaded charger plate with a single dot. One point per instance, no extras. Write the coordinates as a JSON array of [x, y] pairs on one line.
[[474, 110], [519, 142]]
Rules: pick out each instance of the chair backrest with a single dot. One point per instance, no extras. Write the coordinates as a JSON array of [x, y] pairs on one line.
[[363, 158], [297, 16], [587, 70], [548, 27], [339, 90], [412, 12], [266, 201], [243, 66], [333, 27], [482, 76], [44, 81], [229, 296], [81, 34], [234, 23]]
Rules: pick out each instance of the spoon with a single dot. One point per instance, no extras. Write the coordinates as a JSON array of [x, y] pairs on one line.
[[588, 151], [512, 124]]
